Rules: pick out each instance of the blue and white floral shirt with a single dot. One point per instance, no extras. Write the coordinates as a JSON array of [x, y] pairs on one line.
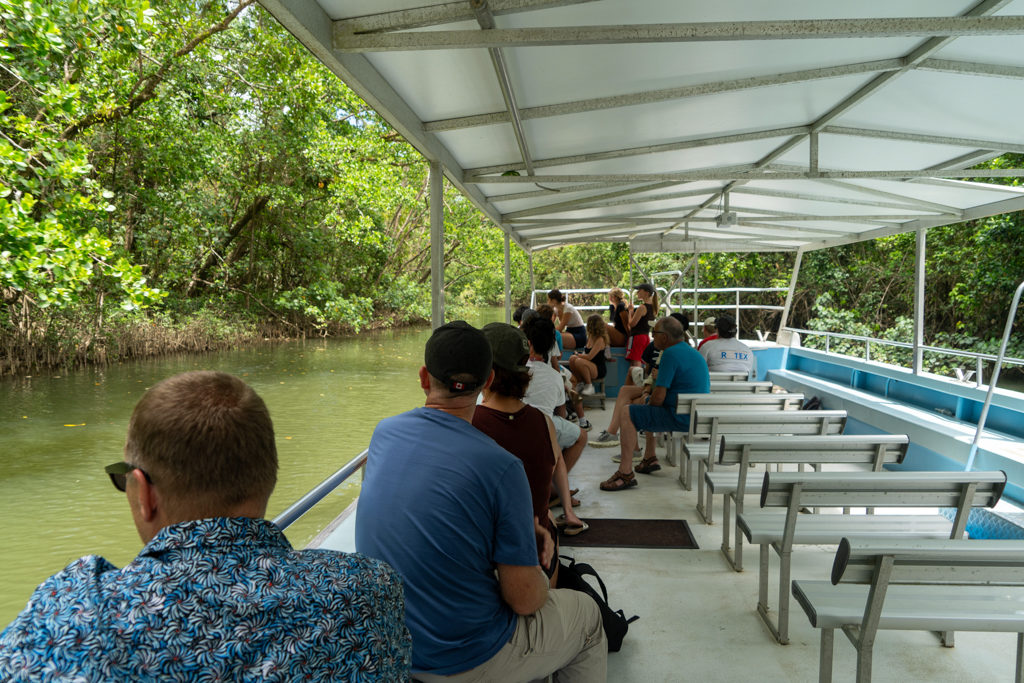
[[214, 600]]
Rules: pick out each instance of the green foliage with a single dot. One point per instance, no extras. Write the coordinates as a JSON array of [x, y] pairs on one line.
[[190, 164]]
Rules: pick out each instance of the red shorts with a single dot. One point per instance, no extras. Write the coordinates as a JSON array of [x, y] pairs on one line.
[[635, 346]]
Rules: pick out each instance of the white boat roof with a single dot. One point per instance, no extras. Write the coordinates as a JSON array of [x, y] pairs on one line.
[[817, 122]]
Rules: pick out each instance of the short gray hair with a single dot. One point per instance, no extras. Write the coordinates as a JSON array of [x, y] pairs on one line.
[[672, 327]]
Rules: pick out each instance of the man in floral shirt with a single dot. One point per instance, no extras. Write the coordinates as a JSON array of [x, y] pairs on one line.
[[217, 593]]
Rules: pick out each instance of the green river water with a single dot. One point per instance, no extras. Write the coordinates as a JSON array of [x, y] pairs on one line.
[[58, 431]]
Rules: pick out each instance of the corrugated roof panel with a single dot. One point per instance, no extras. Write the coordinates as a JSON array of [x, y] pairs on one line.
[[856, 125]]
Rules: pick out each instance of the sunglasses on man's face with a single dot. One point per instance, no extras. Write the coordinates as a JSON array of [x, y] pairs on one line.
[[119, 474]]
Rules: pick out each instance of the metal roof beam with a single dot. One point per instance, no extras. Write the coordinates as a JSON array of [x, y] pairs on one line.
[[920, 203], [747, 175], [574, 203], [972, 68], [1016, 147], [642, 151], [974, 213], [965, 160], [486, 21], [682, 245], [543, 192], [794, 29], [828, 199], [434, 15], [664, 95], [310, 26]]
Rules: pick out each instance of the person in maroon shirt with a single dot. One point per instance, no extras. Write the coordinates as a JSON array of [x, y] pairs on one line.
[[524, 431]]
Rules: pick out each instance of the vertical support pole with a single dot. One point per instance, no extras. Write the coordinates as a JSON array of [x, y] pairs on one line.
[[792, 288], [533, 281], [737, 316], [629, 254], [436, 245], [508, 279], [919, 263], [696, 285], [812, 163]]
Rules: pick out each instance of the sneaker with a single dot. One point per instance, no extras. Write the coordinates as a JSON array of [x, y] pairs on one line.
[[605, 440], [637, 457], [588, 390], [585, 423], [573, 417]]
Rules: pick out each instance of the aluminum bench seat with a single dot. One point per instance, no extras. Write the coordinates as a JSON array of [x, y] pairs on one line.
[[944, 586], [795, 491], [716, 422], [870, 450]]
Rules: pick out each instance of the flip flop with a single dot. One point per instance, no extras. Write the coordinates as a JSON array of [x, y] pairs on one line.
[[575, 530]]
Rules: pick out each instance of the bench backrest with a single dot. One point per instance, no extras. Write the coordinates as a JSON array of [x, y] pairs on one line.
[[872, 449], [959, 490], [687, 404], [930, 561], [729, 376], [711, 421], [747, 387]]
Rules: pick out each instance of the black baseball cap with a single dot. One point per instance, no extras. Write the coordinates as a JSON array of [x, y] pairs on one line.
[[458, 349], [509, 347]]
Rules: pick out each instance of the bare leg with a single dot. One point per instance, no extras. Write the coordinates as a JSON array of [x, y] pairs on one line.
[[627, 394], [615, 337], [650, 446], [561, 480], [571, 455], [627, 443]]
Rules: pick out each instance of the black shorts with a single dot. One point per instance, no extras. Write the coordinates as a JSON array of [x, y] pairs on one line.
[[579, 333]]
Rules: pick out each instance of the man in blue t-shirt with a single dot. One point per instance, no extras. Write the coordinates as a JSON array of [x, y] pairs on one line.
[[681, 370], [450, 510]]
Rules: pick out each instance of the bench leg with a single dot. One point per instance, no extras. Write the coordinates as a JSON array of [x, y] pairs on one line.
[[785, 567], [864, 663], [725, 530], [704, 512], [948, 638], [1019, 676], [825, 656], [684, 469]]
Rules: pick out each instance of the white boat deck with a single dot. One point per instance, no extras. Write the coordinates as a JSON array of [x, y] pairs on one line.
[[697, 617]]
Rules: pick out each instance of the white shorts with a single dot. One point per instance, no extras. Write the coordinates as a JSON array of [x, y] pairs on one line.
[[566, 431]]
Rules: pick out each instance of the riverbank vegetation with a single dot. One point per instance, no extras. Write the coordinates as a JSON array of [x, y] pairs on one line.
[[184, 176]]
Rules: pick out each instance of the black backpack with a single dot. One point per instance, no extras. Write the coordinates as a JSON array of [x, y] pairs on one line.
[[571, 575], [813, 403]]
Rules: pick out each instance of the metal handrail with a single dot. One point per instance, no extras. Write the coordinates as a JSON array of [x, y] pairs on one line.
[[319, 492], [995, 376], [979, 357]]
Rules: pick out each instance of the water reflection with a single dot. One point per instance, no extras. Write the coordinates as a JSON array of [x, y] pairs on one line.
[[58, 431]]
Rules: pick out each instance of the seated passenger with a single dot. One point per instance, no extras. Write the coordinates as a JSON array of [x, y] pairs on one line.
[[618, 328], [709, 332], [525, 431], [591, 364], [568, 321], [681, 370], [450, 510], [726, 353], [217, 592], [546, 391]]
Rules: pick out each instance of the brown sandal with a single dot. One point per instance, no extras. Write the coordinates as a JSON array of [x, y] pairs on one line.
[[647, 465], [619, 481]]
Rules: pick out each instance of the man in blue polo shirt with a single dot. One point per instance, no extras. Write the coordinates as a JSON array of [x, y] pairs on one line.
[[450, 510], [681, 370]]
